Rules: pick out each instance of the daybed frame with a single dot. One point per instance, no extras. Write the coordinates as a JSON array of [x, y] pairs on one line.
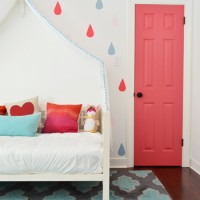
[[104, 177]]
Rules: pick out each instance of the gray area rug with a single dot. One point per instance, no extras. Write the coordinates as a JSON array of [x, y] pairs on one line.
[[124, 185]]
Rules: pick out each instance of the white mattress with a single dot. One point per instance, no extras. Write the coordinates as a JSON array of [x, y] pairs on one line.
[[51, 153]]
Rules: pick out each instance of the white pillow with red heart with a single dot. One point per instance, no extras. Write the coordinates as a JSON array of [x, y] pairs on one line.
[[24, 107]]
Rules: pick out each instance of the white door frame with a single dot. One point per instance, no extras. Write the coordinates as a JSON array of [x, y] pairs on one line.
[[186, 77]]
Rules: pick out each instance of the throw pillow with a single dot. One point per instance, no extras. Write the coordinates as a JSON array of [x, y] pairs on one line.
[[19, 125], [24, 107], [61, 118], [2, 110]]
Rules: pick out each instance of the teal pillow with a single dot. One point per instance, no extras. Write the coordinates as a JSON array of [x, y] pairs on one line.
[[19, 125]]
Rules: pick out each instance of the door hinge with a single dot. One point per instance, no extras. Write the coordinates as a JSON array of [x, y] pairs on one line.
[[182, 142], [184, 20]]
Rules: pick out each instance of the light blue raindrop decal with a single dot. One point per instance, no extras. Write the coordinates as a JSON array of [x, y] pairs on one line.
[[121, 151], [99, 4], [111, 50]]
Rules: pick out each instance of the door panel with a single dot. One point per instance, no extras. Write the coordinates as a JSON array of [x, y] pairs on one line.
[[159, 77]]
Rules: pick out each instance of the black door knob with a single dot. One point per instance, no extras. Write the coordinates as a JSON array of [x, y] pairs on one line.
[[139, 94]]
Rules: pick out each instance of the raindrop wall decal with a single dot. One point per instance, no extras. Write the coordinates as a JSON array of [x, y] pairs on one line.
[[90, 32], [111, 49], [57, 9], [121, 151], [99, 4], [122, 86]]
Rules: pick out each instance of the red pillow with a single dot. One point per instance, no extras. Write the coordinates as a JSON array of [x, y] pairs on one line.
[[2, 110], [61, 118]]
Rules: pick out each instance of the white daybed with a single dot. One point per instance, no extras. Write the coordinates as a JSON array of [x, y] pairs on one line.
[[22, 158], [79, 78]]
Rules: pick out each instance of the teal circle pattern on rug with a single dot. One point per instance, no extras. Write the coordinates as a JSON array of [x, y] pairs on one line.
[[14, 195], [85, 186], [157, 182], [60, 195], [140, 173], [124, 185], [150, 194]]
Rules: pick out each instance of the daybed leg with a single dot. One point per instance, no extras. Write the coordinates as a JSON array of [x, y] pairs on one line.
[[106, 160], [106, 188]]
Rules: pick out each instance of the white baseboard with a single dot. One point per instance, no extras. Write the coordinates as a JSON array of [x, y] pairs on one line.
[[195, 165], [118, 162]]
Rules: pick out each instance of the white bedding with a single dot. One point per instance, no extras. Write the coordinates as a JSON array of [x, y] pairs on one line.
[[51, 153]]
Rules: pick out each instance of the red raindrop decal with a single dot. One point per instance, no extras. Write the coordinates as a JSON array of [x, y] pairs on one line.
[[57, 9], [90, 32], [122, 86]]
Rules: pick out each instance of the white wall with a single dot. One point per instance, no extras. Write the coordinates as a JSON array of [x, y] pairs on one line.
[[195, 115], [36, 61], [110, 26]]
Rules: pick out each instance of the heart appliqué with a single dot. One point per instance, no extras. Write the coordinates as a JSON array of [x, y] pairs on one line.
[[26, 109]]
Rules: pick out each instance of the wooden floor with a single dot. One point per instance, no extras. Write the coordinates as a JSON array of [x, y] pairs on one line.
[[181, 183]]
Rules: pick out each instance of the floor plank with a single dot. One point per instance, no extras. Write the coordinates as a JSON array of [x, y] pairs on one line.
[[181, 183]]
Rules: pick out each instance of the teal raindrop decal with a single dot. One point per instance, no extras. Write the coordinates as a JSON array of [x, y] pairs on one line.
[[99, 4], [121, 151], [111, 50]]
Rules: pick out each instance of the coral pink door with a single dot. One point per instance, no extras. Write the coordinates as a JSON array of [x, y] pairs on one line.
[[158, 98]]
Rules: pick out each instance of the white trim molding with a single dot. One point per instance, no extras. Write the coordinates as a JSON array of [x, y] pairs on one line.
[[186, 79], [195, 165], [118, 162]]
